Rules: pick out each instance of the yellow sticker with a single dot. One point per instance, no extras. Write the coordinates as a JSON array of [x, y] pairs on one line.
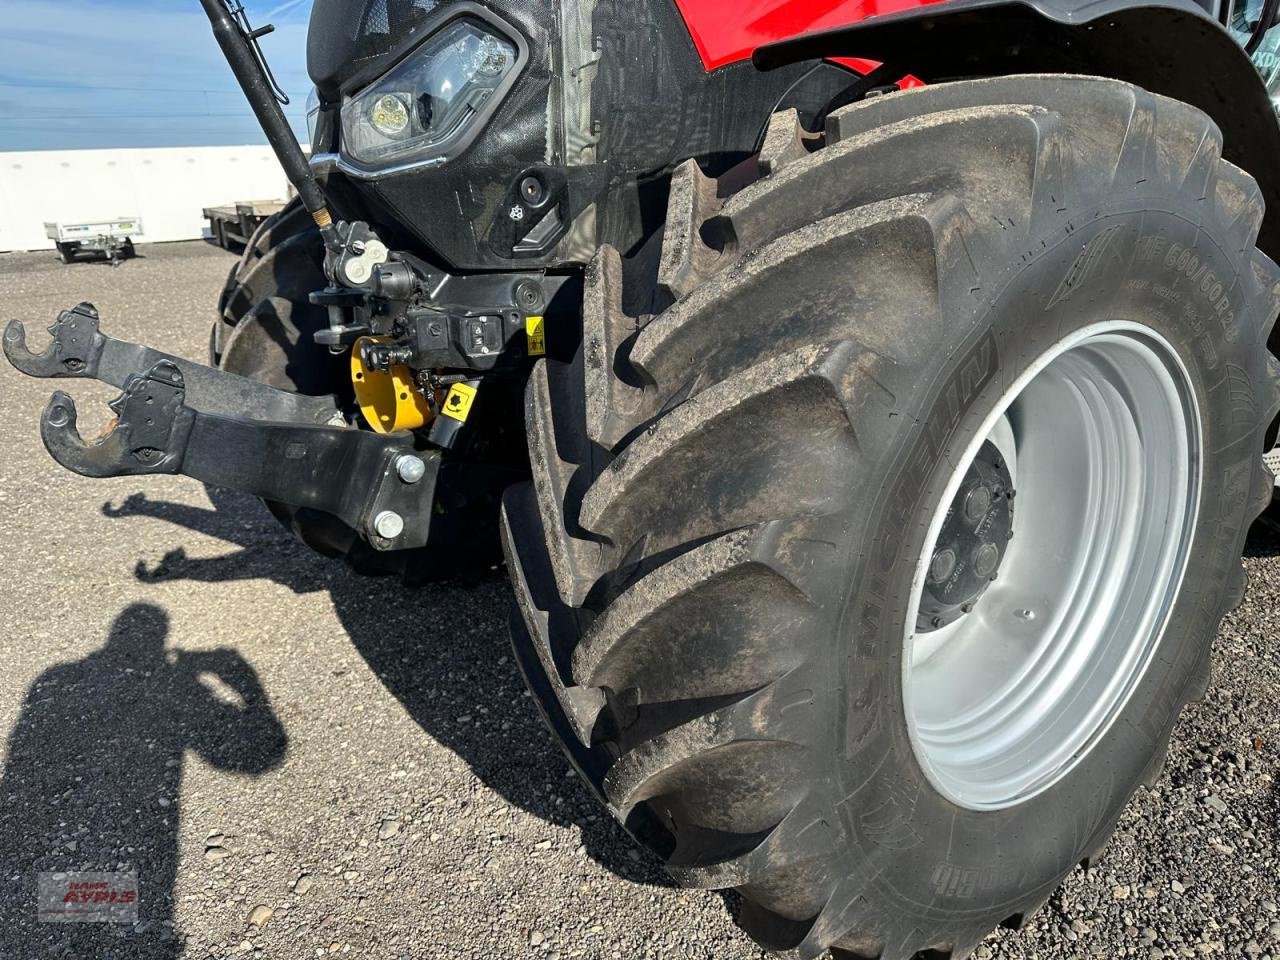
[[535, 335], [458, 403]]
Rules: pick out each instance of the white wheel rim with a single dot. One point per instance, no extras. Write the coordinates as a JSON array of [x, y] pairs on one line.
[[1102, 440]]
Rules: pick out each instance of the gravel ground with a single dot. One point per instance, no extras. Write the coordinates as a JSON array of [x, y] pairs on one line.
[[299, 762]]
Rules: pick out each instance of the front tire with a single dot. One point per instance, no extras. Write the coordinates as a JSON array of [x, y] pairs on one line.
[[719, 562]]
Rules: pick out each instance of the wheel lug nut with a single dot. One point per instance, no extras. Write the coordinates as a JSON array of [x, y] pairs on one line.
[[977, 503], [985, 560], [942, 565]]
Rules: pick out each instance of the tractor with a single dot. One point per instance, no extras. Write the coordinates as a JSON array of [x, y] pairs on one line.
[[869, 400]]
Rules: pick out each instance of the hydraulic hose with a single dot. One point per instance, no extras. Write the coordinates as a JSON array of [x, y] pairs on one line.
[[239, 49], [1266, 21]]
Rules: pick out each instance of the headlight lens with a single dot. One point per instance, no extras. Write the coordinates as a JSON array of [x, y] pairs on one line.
[[390, 116], [425, 106]]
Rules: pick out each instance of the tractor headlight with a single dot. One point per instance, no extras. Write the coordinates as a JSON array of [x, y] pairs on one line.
[[432, 104]]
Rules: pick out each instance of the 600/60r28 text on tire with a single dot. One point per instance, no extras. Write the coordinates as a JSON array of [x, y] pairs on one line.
[[737, 487]]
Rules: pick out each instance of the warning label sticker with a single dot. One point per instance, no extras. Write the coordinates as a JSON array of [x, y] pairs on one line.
[[458, 403], [535, 335]]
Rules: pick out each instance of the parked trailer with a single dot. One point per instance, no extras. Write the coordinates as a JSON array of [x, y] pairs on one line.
[[110, 238], [234, 223]]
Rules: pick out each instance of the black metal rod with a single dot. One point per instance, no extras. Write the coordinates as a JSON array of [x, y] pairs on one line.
[[258, 91]]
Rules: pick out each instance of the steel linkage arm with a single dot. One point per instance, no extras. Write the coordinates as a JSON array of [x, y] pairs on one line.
[[80, 349]]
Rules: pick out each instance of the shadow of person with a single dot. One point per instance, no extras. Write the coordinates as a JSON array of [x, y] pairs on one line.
[[438, 677], [92, 775]]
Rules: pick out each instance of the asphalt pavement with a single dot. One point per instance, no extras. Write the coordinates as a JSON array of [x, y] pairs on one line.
[[295, 761]]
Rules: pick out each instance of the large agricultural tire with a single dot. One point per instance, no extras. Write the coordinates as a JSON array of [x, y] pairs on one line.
[[281, 261], [736, 494]]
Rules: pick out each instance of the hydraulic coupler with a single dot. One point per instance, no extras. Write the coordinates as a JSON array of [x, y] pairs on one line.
[[175, 416]]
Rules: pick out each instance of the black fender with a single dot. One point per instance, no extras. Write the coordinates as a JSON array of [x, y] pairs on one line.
[[1174, 48]]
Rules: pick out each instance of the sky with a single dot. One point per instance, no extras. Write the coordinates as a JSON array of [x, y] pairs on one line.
[[136, 73]]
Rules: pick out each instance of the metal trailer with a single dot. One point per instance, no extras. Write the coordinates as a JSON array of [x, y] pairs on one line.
[[112, 239], [233, 224]]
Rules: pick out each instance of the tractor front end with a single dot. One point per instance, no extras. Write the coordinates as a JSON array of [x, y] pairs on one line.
[[869, 401]]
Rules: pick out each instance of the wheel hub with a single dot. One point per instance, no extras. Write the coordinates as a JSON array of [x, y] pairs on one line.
[[972, 543]]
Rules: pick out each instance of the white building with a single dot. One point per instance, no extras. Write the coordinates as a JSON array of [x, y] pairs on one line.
[[164, 187]]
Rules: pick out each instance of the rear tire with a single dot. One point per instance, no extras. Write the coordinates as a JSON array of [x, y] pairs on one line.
[[715, 560]]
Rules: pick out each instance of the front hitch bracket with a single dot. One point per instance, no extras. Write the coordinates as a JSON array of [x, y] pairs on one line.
[[358, 476], [148, 435]]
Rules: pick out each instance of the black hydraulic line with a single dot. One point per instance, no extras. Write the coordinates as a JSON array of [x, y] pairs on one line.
[[260, 91], [1266, 21]]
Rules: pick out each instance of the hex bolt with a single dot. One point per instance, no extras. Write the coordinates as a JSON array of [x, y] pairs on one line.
[[388, 524], [410, 468]]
